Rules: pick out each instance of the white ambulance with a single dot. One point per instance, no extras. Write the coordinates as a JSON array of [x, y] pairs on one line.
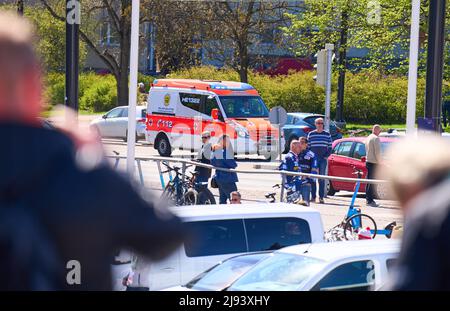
[[179, 110]]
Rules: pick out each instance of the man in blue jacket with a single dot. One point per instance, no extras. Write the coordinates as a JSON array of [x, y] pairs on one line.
[[319, 142], [291, 163], [223, 157]]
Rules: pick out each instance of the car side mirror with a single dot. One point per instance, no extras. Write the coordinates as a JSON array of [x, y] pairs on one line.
[[363, 159], [104, 116], [215, 114]]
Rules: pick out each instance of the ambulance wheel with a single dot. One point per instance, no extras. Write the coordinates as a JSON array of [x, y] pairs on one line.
[[163, 146]]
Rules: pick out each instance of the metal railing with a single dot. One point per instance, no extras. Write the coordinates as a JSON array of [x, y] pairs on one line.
[[184, 163]]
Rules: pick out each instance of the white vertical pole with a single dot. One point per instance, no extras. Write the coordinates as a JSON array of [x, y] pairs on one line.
[[133, 87], [329, 47], [412, 73]]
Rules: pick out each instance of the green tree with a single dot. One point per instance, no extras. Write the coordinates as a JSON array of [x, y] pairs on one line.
[[52, 40], [381, 26], [100, 20]]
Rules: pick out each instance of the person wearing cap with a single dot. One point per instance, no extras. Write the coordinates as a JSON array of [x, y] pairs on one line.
[[204, 156]]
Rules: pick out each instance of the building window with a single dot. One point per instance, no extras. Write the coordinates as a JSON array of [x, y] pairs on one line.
[[108, 35]]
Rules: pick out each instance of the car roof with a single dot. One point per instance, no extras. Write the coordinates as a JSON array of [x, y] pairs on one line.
[[137, 107], [263, 210], [304, 114], [216, 86], [345, 249]]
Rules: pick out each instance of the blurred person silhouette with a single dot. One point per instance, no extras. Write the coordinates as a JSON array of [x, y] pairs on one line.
[[63, 211], [421, 183]]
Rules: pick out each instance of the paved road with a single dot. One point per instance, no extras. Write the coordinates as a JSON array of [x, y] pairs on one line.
[[252, 186]]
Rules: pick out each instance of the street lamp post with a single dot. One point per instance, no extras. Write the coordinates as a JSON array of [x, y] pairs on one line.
[[132, 97], [73, 20], [435, 62], [20, 7]]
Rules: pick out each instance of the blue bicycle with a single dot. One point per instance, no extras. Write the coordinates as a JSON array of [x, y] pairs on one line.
[[355, 221]]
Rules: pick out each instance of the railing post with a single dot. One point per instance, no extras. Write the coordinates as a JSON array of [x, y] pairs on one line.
[[141, 176], [183, 169], [117, 163], [283, 178], [161, 178]]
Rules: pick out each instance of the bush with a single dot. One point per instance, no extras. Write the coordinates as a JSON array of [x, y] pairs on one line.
[[369, 98], [55, 89], [99, 96]]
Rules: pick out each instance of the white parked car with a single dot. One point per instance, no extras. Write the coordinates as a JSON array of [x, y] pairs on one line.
[[223, 274], [351, 265], [223, 231], [114, 123]]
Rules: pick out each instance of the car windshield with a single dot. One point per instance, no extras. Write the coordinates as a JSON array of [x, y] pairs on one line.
[[222, 275], [244, 107], [280, 272]]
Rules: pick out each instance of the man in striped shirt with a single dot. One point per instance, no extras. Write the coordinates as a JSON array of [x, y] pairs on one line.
[[319, 142]]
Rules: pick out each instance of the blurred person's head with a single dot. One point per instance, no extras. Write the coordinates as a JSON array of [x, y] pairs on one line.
[[235, 197], [319, 124], [303, 143], [376, 129], [20, 73], [415, 165], [295, 146]]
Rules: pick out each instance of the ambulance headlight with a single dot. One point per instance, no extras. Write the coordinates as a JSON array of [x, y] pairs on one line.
[[242, 133]]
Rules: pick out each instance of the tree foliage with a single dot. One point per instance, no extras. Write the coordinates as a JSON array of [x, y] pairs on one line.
[[380, 26]]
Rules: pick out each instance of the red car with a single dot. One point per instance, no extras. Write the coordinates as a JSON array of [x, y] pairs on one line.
[[346, 154]]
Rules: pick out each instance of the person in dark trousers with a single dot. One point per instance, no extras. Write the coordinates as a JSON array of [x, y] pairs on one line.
[[291, 163], [203, 174], [308, 163], [373, 160], [319, 142], [204, 156], [58, 182], [421, 183], [223, 157]]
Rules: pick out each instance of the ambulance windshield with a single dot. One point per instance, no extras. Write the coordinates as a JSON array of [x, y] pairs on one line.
[[244, 107]]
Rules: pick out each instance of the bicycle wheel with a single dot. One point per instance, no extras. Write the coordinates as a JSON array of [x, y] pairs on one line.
[[357, 222], [169, 195], [206, 197], [190, 197]]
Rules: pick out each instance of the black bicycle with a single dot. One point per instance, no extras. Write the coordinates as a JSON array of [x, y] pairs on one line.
[[179, 190], [205, 195]]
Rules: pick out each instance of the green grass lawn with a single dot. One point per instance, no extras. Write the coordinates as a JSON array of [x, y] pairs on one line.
[[365, 129]]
